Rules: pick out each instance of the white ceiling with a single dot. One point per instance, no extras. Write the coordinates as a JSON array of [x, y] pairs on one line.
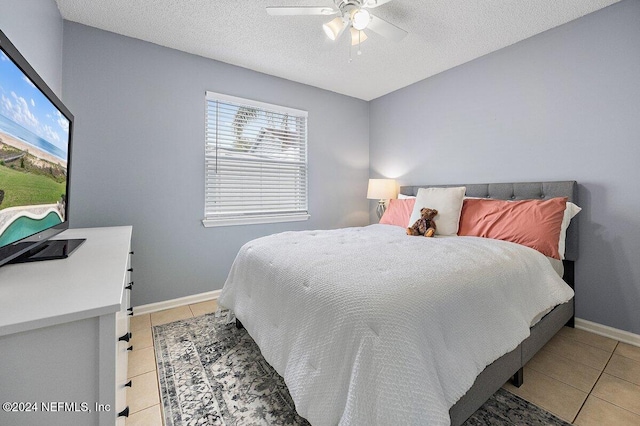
[[442, 35]]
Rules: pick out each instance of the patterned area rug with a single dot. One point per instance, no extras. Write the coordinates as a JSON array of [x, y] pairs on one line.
[[212, 373]]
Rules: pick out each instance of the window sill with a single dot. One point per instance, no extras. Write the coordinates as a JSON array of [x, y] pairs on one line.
[[210, 223]]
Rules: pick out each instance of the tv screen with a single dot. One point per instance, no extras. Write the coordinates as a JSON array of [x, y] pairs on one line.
[[35, 143]]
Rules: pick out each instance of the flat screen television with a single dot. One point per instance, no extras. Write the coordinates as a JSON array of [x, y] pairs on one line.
[[35, 163]]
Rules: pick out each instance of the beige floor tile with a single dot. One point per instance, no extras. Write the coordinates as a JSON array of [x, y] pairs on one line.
[[592, 339], [141, 338], [143, 392], [141, 361], [171, 315], [597, 412], [628, 351], [202, 308], [624, 368], [560, 368], [618, 392], [550, 394], [579, 352], [151, 416], [140, 321]]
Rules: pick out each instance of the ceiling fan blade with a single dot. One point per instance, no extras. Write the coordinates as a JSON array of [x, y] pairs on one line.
[[374, 3], [386, 29], [300, 10]]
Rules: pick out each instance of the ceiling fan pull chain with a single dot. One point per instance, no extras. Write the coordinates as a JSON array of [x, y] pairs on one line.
[[359, 41]]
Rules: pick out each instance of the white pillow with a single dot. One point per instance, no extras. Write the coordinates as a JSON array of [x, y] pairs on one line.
[[405, 197], [569, 212], [448, 202]]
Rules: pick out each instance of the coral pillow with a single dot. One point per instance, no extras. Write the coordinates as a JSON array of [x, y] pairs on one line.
[[532, 223], [398, 212]]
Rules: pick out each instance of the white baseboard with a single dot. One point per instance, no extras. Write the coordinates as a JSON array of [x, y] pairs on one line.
[[606, 331], [174, 303]]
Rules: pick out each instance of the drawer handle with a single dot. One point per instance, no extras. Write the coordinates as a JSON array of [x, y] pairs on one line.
[[130, 309], [131, 252], [130, 270], [125, 338], [130, 348], [130, 286], [128, 384], [124, 413]]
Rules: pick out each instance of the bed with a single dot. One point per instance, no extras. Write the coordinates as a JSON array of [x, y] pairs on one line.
[[352, 350]]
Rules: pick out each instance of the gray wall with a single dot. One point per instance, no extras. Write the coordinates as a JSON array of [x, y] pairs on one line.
[[35, 28], [138, 156], [562, 105]]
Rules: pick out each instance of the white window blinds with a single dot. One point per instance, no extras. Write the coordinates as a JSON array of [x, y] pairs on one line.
[[255, 162]]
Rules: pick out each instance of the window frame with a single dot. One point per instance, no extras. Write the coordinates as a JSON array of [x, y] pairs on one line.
[[266, 216]]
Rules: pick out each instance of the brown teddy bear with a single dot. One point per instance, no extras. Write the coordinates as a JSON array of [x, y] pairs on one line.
[[425, 225]]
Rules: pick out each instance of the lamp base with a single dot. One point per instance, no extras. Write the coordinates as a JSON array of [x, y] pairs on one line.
[[381, 208]]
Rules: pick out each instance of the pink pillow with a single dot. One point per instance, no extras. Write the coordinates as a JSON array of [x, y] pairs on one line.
[[398, 212], [532, 223]]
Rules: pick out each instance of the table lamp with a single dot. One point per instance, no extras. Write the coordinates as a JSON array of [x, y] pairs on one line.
[[381, 190]]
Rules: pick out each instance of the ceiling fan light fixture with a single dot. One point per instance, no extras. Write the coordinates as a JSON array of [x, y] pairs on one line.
[[357, 36], [360, 19], [334, 28]]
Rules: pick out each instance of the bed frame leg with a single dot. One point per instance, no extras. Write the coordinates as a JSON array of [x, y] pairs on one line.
[[569, 277], [572, 322], [239, 324], [518, 378]]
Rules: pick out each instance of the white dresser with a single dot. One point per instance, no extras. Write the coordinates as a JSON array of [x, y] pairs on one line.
[[64, 327]]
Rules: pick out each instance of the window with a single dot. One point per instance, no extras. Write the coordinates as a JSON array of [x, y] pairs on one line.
[[255, 162]]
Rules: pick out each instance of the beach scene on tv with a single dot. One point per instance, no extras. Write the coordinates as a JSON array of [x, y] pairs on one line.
[[34, 139]]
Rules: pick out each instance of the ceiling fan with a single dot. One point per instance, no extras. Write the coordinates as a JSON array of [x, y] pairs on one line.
[[352, 15]]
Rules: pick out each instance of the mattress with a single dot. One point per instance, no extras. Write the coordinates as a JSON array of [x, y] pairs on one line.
[[557, 266], [370, 326]]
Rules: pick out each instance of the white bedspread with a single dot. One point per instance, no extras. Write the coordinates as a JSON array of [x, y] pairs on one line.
[[370, 326]]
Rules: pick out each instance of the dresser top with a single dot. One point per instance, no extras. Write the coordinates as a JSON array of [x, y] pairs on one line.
[[89, 283]]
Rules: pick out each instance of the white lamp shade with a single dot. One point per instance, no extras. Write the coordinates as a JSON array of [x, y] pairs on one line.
[[334, 28], [357, 36], [360, 19], [381, 189]]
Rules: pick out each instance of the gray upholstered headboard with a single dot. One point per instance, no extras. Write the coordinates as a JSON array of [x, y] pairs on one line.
[[522, 191]]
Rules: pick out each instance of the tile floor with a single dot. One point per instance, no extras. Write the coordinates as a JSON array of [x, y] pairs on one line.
[[580, 377], [585, 379], [143, 397]]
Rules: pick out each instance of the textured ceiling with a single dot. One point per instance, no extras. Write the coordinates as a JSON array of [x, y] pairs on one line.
[[442, 35]]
